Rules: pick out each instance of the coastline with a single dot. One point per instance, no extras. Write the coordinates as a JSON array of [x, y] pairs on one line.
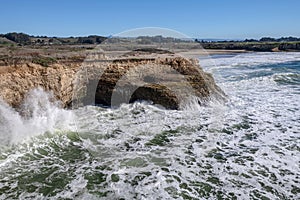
[[62, 73], [210, 52]]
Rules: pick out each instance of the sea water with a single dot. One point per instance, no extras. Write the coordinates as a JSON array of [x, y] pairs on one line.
[[247, 148]]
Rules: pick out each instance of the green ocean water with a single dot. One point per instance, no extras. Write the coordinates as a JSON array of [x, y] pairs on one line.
[[247, 148]]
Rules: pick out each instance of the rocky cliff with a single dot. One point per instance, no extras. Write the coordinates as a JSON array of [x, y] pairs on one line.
[[17, 81], [164, 80]]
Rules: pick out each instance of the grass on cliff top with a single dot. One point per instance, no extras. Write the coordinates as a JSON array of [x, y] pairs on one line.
[[44, 61]]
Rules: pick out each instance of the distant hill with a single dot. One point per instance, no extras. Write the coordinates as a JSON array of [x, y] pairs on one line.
[[6, 41], [263, 44], [263, 39], [25, 39]]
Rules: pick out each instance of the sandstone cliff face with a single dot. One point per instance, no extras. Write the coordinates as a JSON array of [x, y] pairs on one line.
[[17, 81], [166, 81]]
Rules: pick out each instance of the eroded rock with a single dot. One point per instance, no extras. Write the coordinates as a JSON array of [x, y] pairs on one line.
[[166, 80]]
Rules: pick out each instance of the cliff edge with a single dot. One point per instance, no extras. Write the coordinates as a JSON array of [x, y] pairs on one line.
[[164, 80]]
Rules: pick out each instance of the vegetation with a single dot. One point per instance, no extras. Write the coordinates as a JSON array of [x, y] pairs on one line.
[[20, 38], [25, 39], [44, 61], [159, 39], [263, 39], [254, 46], [92, 39], [263, 44]]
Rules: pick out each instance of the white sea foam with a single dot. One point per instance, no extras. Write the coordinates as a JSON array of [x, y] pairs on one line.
[[246, 148], [38, 114], [249, 59]]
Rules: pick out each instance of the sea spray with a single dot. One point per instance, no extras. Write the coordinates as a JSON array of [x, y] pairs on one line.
[[246, 149], [39, 113], [11, 124]]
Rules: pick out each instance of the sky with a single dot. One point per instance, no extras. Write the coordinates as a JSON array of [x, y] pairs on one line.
[[218, 19]]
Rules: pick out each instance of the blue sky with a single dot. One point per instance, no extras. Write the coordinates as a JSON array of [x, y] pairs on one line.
[[232, 19]]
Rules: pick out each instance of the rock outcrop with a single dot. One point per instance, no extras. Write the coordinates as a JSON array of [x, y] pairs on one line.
[[17, 81], [167, 81]]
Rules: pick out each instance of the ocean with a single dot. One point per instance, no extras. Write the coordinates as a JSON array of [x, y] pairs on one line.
[[247, 148]]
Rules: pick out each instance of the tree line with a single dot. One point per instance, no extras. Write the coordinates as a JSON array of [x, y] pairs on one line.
[[263, 39], [25, 39]]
